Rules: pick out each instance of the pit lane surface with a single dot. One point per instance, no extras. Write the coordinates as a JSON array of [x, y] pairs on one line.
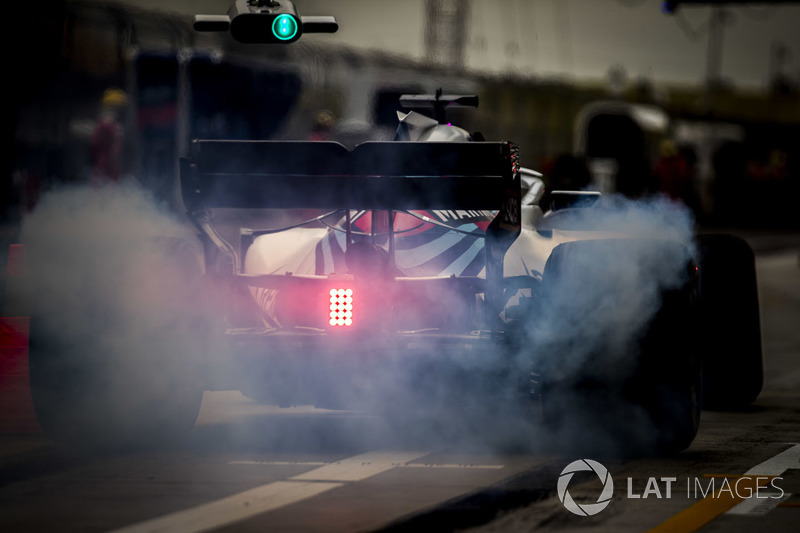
[[250, 467]]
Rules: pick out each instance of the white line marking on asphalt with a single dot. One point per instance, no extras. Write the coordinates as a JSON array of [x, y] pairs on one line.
[[774, 466], [274, 495], [466, 466], [279, 463], [408, 465], [360, 467], [759, 506], [779, 464], [233, 508]]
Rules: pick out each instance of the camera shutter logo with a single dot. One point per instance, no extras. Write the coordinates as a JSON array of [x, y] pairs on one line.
[[586, 509]]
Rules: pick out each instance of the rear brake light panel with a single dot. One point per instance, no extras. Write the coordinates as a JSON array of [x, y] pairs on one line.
[[341, 308]]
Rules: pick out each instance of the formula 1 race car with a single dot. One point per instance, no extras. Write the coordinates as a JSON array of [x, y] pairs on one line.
[[403, 274]]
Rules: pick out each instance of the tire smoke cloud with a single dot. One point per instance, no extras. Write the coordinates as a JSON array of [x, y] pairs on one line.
[[114, 286], [111, 271]]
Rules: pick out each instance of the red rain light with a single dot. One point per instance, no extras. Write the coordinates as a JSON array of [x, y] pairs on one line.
[[341, 307]]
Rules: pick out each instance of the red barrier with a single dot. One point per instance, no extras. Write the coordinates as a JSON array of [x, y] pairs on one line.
[[16, 407]]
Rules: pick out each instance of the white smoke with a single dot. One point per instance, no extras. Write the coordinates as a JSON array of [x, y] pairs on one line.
[[102, 277], [597, 304], [114, 291], [606, 295]]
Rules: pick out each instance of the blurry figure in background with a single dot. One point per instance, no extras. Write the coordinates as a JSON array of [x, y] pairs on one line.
[[321, 131], [672, 173], [107, 138]]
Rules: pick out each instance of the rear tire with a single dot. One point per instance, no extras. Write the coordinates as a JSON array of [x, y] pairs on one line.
[[645, 399], [729, 322]]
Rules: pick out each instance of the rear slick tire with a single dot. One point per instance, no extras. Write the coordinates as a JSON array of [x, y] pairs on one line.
[[646, 398], [729, 322]]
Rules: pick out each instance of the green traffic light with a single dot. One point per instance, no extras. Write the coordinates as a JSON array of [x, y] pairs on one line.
[[284, 27]]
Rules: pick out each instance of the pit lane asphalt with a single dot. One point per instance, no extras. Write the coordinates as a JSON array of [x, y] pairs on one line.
[[250, 467]]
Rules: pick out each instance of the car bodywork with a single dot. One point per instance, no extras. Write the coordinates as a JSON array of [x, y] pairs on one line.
[[409, 274], [413, 278], [420, 253]]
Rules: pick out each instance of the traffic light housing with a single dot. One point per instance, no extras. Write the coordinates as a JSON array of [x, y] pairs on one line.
[[265, 22]]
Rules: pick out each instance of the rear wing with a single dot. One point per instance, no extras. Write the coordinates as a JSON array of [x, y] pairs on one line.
[[374, 175], [326, 175]]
